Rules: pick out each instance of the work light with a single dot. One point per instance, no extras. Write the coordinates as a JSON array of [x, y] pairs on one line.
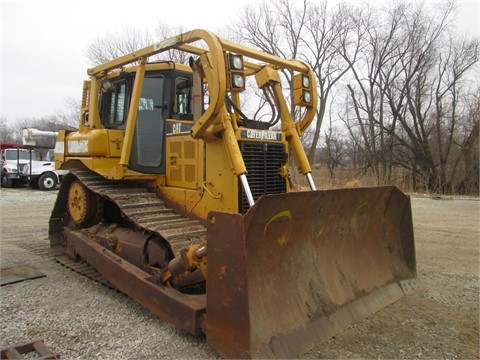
[[236, 78]]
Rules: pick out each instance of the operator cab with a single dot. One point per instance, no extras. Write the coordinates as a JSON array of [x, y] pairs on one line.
[[166, 94]]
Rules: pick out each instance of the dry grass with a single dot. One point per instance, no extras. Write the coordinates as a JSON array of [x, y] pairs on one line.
[[348, 177]]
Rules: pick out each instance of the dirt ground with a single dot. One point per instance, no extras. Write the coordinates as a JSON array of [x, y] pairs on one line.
[[83, 319]]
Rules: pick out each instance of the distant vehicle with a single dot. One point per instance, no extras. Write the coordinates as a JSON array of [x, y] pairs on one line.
[[13, 161], [23, 164], [42, 174]]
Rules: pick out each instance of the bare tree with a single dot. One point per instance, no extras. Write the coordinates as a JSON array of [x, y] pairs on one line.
[[260, 27], [432, 89], [327, 32], [116, 44], [468, 181], [408, 92], [164, 31], [373, 70], [459, 56], [308, 31], [128, 39], [68, 116], [275, 27], [7, 132], [334, 150]]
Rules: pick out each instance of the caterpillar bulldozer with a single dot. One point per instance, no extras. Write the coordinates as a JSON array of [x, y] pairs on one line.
[[179, 199]]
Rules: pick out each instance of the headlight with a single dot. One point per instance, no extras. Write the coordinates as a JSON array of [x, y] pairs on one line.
[[236, 72], [10, 169], [238, 80], [236, 62], [302, 90], [307, 97], [305, 81]]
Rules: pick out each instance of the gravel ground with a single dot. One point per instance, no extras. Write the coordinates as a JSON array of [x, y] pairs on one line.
[[81, 319]]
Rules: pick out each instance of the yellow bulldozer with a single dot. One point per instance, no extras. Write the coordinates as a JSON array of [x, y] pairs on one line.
[[177, 198]]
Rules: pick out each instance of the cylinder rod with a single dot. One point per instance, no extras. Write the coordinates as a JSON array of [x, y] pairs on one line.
[[246, 187], [310, 181]]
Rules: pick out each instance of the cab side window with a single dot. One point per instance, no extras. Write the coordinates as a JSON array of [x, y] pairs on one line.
[[113, 104], [182, 107]]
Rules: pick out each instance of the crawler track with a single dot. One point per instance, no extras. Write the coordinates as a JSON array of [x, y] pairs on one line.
[[141, 208]]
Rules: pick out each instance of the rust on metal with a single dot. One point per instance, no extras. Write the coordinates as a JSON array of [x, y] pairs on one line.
[[293, 271], [182, 310], [228, 319], [298, 268], [37, 346], [15, 274]]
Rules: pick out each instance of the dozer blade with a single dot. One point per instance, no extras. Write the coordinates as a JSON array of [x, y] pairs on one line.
[[300, 267]]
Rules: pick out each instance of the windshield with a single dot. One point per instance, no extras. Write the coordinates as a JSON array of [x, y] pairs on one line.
[[11, 154], [50, 155]]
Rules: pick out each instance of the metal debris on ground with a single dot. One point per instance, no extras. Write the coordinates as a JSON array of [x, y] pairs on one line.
[[16, 274], [16, 352]]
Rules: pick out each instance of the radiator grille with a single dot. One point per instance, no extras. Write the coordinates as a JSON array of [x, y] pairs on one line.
[[263, 162]]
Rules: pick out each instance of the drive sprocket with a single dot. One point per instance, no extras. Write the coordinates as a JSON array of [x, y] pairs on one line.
[[84, 206]]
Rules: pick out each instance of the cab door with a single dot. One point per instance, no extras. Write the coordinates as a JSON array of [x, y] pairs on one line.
[[148, 146]]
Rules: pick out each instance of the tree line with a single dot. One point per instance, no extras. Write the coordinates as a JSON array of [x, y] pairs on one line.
[[66, 118], [398, 85]]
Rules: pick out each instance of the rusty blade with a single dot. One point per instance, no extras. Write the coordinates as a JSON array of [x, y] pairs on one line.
[[300, 267]]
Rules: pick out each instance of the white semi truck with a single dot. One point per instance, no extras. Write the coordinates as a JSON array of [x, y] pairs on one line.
[[22, 163], [14, 158], [41, 174]]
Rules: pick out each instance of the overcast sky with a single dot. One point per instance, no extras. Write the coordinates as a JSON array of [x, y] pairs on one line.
[[43, 42]]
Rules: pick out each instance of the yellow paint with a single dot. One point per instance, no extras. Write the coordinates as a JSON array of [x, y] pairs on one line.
[[282, 239], [201, 167], [183, 154], [320, 232]]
